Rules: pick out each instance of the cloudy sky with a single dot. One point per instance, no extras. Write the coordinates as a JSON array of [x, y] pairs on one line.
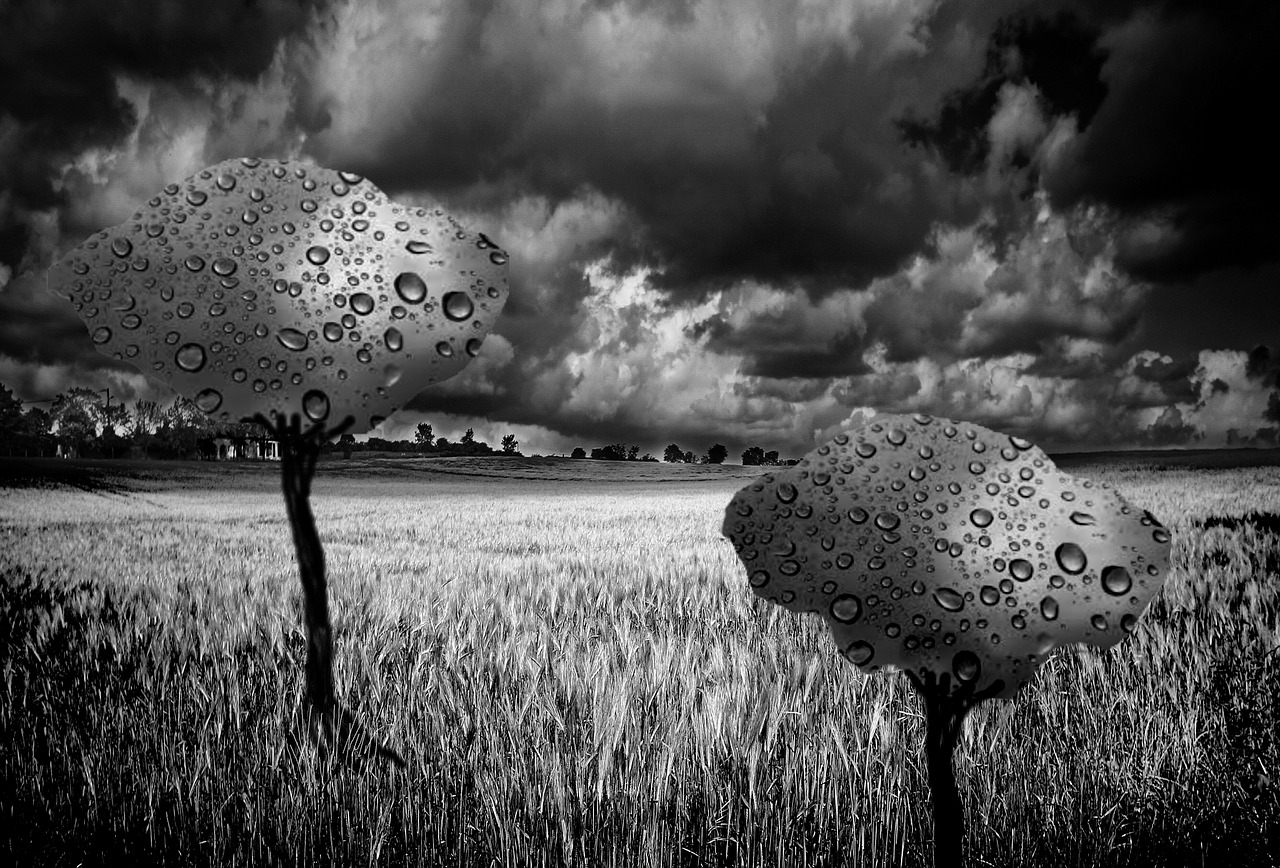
[[749, 222]]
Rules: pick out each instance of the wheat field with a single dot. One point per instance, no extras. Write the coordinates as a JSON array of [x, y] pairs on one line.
[[571, 660]]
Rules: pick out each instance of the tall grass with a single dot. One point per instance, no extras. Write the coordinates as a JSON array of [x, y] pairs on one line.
[[578, 674]]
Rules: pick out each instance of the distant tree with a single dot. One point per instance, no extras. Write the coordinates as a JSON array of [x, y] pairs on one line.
[[346, 441], [146, 417], [35, 433], [672, 454], [771, 457], [423, 435], [753, 456], [10, 420], [469, 437], [717, 454], [632, 452], [442, 442], [648, 457], [689, 457], [74, 413], [509, 444], [612, 452], [578, 452]]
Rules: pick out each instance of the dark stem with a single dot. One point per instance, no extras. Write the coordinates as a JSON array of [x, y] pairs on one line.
[[299, 451], [945, 710]]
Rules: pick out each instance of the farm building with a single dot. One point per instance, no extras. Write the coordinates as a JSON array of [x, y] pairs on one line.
[[253, 448]]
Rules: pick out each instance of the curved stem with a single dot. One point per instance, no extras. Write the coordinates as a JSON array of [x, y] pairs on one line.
[[299, 451]]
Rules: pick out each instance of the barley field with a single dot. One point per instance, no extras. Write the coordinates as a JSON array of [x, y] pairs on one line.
[[569, 656]]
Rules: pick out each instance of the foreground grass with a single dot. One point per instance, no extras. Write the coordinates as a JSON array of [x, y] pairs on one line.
[[579, 674]]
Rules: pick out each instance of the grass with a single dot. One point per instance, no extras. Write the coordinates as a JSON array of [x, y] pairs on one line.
[[571, 660]]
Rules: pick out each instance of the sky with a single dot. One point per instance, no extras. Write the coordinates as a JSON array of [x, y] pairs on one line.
[[745, 222]]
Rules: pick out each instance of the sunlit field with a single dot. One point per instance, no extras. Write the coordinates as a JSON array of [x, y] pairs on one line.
[[570, 658]]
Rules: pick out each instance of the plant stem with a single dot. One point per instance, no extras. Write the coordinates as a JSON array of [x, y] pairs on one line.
[[945, 711], [333, 725]]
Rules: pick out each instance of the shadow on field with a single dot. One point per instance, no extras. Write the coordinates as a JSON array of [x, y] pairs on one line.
[[95, 477]]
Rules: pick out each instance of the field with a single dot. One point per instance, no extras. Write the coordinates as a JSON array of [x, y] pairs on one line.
[[569, 656]]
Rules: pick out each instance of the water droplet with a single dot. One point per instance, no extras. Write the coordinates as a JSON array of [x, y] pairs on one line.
[[362, 303], [896, 436], [1071, 558], [1020, 569], [1160, 535], [789, 568], [759, 578], [132, 321], [193, 263], [418, 247], [497, 257], [317, 254], [1116, 581], [190, 357], [224, 266], [209, 400], [989, 595], [977, 468], [949, 599], [197, 197], [1083, 518], [1019, 443], [393, 339], [786, 492], [473, 346], [966, 666], [457, 306], [876, 562], [226, 182], [1098, 622], [1129, 623], [121, 246], [859, 653], [887, 521], [444, 349], [981, 517], [411, 287], [858, 515], [101, 335], [332, 331], [846, 608], [292, 339], [1049, 609], [315, 404], [865, 450]]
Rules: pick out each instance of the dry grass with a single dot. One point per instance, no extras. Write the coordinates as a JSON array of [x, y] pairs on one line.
[[579, 674]]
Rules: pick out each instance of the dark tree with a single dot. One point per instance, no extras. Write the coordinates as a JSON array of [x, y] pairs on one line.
[[632, 452], [717, 454], [347, 440], [672, 454], [509, 444], [753, 456], [578, 452], [771, 457], [423, 435], [688, 457], [612, 452], [468, 437]]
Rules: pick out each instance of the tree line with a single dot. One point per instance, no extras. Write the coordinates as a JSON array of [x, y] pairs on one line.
[[79, 423], [673, 454]]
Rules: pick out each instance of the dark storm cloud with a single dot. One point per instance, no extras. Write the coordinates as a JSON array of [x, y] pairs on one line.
[[771, 161], [1166, 97], [59, 60]]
